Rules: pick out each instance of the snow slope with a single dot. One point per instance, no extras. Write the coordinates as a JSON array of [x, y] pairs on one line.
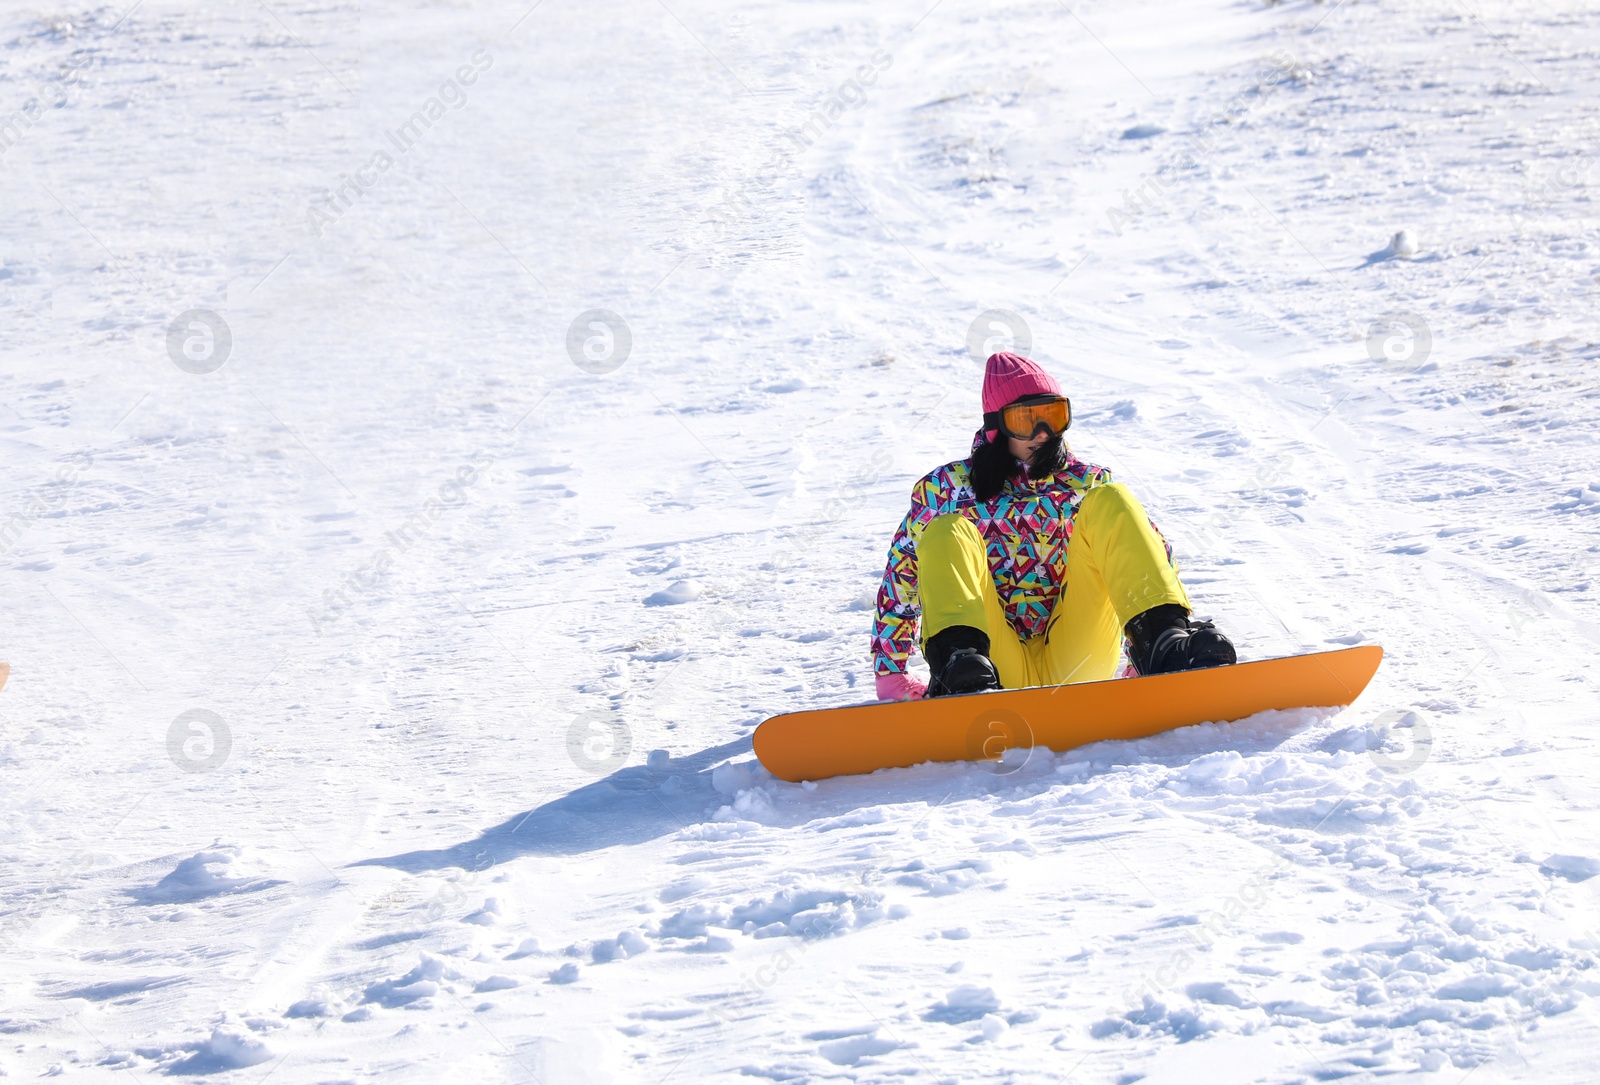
[[383, 669]]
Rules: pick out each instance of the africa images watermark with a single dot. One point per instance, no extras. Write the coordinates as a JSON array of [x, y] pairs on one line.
[[753, 985], [850, 94], [452, 94], [996, 330], [1542, 192], [451, 494], [45, 501], [199, 740], [800, 544], [1222, 921], [1137, 201], [56, 93]]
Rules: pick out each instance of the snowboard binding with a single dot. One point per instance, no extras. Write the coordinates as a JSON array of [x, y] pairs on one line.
[[958, 662], [1165, 639]]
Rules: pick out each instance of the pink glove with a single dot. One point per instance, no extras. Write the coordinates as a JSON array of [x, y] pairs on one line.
[[899, 687]]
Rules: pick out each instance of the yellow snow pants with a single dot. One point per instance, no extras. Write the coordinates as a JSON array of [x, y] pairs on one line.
[[1117, 568]]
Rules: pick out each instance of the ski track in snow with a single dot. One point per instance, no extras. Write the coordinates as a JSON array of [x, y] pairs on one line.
[[380, 702]]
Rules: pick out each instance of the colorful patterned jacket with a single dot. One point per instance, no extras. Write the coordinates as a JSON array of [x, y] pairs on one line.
[[1025, 530]]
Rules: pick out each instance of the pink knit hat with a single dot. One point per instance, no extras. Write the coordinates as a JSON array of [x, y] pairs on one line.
[[1009, 377]]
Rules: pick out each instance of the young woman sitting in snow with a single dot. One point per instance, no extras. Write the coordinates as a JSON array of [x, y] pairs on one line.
[[1027, 566]]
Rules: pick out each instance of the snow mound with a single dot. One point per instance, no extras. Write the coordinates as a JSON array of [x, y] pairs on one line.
[[226, 1049], [218, 870], [968, 1002], [849, 1050], [525, 948], [1154, 1017], [629, 943], [1574, 868], [487, 916], [679, 591], [1402, 246], [416, 988], [801, 913], [736, 776]]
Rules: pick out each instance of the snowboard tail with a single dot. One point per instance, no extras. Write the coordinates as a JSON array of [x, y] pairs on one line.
[[982, 726]]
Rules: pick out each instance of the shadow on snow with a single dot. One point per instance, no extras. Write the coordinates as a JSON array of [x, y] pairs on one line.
[[637, 804], [627, 807]]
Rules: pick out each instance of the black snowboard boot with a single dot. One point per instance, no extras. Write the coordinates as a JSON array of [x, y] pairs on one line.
[[958, 662], [1164, 639]]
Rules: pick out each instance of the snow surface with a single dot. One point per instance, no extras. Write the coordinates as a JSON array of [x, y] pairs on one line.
[[383, 669]]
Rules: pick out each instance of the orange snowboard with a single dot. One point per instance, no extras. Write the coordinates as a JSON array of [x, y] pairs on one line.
[[982, 726]]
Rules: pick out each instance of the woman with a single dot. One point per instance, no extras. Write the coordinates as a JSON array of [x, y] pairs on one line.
[[1026, 566]]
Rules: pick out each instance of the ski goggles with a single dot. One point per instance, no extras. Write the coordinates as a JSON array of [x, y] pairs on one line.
[[1023, 418]]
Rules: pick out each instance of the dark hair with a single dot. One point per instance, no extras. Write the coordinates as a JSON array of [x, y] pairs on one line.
[[993, 463]]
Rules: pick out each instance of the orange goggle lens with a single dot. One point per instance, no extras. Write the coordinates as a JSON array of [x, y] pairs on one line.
[[1022, 420]]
